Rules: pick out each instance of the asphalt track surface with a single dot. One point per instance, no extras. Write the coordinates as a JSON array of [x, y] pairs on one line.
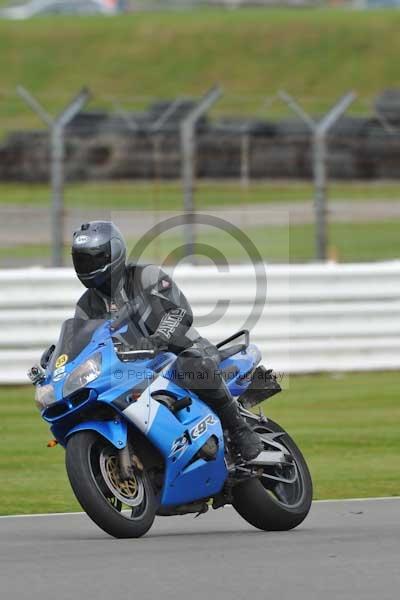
[[344, 550]]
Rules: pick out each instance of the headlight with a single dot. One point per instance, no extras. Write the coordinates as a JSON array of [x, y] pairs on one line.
[[44, 396], [84, 374]]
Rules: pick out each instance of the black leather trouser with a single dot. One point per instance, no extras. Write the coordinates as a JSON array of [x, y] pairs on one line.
[[197, 369]]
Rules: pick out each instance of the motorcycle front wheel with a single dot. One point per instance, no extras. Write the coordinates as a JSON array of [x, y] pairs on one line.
[[121, 508], [280, 498]]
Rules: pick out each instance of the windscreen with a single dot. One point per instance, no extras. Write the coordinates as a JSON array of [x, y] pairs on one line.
[[74, 337]]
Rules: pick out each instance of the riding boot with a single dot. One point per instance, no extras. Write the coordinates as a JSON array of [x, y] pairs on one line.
[[246, 441], [212, 389]]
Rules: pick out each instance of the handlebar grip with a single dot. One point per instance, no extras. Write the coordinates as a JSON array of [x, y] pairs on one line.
[[136, 354], [123, 315]]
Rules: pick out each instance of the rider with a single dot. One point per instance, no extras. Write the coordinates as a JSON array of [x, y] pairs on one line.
[[161, 314]]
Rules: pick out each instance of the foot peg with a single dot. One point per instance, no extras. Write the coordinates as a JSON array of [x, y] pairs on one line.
[[270, 458]]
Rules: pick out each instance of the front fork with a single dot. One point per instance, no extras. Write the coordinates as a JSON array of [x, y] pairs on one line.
[[128, 462]]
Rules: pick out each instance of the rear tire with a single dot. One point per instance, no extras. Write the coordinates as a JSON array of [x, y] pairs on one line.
[[83, 456], [261, 507]]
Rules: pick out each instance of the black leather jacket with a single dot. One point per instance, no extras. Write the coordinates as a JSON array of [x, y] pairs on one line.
[[159, 305]]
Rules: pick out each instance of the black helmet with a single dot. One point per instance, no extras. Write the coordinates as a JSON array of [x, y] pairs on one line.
[[99, 254]]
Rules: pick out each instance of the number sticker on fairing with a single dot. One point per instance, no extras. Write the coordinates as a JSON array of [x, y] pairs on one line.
[[61, 360]]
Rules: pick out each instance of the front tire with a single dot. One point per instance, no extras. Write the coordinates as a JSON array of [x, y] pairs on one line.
[[271, 505], [91, 464]]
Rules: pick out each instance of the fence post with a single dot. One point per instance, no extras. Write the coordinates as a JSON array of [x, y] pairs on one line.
[[245, 157], [56, 127], [320, 131], [245, 145], [156, 128], [188, 143]]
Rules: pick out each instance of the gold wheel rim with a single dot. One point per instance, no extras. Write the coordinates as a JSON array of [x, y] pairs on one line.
[[131, 491]]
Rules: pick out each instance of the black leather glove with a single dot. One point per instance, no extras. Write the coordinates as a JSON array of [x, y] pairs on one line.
[[153, 342]]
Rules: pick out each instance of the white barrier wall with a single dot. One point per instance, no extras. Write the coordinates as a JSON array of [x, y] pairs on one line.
[[316, 318]]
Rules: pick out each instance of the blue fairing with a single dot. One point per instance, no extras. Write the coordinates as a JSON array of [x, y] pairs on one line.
[[179, 440], [124, 393], [113, 431]]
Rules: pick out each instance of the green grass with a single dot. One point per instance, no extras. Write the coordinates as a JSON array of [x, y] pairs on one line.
[[347, 427], [316, 54], [33, 476], [164, 195], [348, 242]]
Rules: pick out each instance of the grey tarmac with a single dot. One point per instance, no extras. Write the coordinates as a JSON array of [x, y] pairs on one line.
[[344, 550], [30, 224]]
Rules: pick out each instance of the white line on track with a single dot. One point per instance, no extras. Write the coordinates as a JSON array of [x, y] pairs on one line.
[[333, 500], [357, 499], [60, 514]]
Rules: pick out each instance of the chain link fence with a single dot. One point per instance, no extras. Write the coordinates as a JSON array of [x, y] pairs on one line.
[[307, 178]]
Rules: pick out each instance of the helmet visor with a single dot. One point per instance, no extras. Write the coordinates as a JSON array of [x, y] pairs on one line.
[[86, 263]]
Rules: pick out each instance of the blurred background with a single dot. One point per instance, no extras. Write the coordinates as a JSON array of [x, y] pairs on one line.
[[282, 120]]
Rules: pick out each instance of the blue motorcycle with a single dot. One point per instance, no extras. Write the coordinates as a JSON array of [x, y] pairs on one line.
[[138, 444]]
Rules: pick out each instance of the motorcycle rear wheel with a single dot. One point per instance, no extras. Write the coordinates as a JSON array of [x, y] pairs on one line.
[[270, 505], [121, 509]]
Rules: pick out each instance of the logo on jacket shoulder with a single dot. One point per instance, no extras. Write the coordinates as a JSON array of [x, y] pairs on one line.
[[165, 284]]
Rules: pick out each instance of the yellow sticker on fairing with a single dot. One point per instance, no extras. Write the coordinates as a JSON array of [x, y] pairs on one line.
[[61, 360]]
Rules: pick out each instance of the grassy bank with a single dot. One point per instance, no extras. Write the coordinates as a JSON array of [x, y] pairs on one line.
[[167, 195], [347, 427], [252, 53], [348, 242]]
